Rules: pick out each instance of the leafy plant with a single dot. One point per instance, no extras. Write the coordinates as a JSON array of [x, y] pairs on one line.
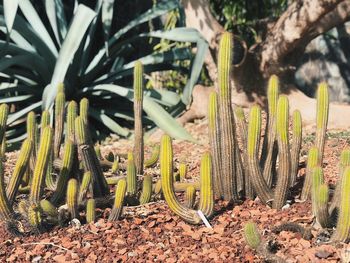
[[39, 51]]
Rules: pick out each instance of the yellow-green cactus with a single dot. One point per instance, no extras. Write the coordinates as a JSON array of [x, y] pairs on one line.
[[32, 132], [146, 190], [60, 102], [182, 171], [317, 181], [72, 198], [71, 116], [118, 201], [312, 162], [256, 177], [67, 164], [190, 196], [48, 208], [80, 131], [45, 121], [20, 168], [34, 216], [296, 145], [206, 201], [41, 165], [166, 171], [5, 207], [154, 157], [4, 111], [321, 118], [282, 124], [226, 120], [252, 235], [343, 225], [321, 197], [84, 110], [90, 210], [138, 100], [115, 165], [131, 178], [3, 148], [84, 186]]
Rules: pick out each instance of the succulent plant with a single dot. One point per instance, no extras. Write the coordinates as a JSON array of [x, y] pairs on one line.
[[182, 171], [6, 210], [60, 102], [317, 181], [146, 193], [312, 162], [321, 200], [190, 196], [84, 110], [131, 178], [48, 208], [118, 201], [154, 157], [4, 111], [34, 216], [166, 171], [32, 134], [252, 235], [72, 197], [296, 145], [138, 101], [84, 187], [206, 201], [72, 110], [90, 210]]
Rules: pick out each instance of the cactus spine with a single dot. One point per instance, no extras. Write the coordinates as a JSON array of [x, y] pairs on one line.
[[214, 140], [257, 180], [138, 100], [343, 225], [166, 171], [252, 235], [146, 190], [20, 169], [64, 173], [118, 201], [312, 161], [154, 157], [295, 150], [206, 201], [321, 118], [41, 165], [84, 187], [72, 198], [90, 210], [60, 102], [269, 151], [282, 124], [227, 128], [190, 196], [5, 207]]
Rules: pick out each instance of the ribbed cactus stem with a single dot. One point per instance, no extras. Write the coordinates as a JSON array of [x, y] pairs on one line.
[[34, 216], [71, 116], [84, 110], [6, 210], [317, 181], [60, 102], [214, 140], [72, 198], [190, 196], [84, 186], [321, 118], [182, 171], [343, 225], [118, 201], [90, 210], [66, 168], [252, 235], [48, 208], [138, 100], [41, 165], [146, 190], [206, 201], [45, 121], [269, 151], [80, 131], [131, 178], [227, 127], [257, 180], [312, 162], [32, 135], [20, 169], [115, 165], [282, 124], [4, 111], [154, 157], [3, 147], [296, 145], [166, 171], [322, 215]]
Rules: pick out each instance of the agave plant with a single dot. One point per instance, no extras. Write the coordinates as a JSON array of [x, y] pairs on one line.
[[40, 50]]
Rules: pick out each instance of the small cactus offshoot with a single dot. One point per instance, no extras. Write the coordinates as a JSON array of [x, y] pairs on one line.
[[146, 190], [90, 211], [252, 235], [72, 198], [118, 201]]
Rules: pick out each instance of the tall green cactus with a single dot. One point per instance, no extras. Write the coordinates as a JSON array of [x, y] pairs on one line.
[[131, 178], [312, 162], [322, 215], [252, 235], [72, 198], [138, 100], [282, 124], [146, 190], [4, 111], [84, 187], [60, 102], [166, 171], [90, 210], [20, 169], [257, 180], [67, 164], [317, 181], [154, 157], [269, 150], [227, 127], [32, 132], [84, 110], [45, 121], [343, 225], [206, 201], [118, 201], [321, 118], [6, 210], [41, 165], [214, 140], [295, 150], [71, 116]]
